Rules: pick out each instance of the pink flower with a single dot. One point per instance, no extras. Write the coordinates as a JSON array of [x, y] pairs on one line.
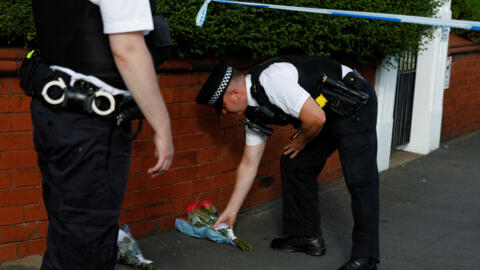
[[206, 204], [191, 207]]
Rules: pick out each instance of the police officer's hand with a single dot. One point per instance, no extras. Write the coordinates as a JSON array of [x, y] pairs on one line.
[[313, 118], [293, 148], [227, 217], [164, 152]]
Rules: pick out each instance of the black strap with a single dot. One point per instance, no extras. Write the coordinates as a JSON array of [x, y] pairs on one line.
[[267, 113]]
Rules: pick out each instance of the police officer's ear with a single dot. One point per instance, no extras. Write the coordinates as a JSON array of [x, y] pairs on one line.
[[235, 92]]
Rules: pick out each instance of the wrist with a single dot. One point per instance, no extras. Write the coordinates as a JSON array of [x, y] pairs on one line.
[[231, 208], [162, 129], [301, 139]]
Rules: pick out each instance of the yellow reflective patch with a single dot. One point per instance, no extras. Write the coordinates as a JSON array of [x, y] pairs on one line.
[[321, 100], [30, 53]]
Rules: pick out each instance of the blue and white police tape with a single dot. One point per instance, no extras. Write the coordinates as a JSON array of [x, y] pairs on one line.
[[471, 25]]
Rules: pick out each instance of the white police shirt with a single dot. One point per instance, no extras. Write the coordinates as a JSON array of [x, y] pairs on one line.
[[121, 16], [118, 16], [280, 81]]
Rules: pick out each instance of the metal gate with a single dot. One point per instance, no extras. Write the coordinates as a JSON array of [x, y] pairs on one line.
[[402, 114]]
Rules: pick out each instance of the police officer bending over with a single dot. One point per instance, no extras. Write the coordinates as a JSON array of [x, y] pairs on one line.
[[292, 90], [96, 48]]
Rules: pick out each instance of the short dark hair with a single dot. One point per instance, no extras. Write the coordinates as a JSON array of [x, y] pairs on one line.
[[236, 75]]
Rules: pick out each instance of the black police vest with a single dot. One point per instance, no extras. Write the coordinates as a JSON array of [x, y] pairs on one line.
[[309, 70], [71, 35]]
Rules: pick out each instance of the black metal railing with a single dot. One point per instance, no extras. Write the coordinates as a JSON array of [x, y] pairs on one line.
[[402, 114]]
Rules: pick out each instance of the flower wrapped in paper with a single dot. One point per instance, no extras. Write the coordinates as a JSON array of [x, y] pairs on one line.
[[199, 224], [128, 251]]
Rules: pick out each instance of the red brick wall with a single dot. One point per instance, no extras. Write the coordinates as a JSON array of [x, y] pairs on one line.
[[23, 221], [461, 101], [208, 150]]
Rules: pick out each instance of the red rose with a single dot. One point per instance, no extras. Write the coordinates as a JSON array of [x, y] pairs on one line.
[[206, 204], [191, 207]]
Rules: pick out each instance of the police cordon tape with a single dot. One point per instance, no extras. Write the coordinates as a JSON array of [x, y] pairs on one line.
[[471, 25]]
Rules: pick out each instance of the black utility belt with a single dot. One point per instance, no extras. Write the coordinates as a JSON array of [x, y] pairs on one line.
[[39, 81]]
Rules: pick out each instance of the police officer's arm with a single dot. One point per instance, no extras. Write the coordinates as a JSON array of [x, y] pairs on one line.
[[313, 118], [246, 172], [135, 64]]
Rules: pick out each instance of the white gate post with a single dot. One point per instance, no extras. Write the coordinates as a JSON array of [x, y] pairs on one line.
[[428, 97], [385, 85]]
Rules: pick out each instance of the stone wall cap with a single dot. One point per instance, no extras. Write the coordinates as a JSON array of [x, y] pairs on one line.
[[11, 60], [459, 45]]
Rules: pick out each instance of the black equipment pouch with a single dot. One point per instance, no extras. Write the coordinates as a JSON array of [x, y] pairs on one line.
[[256, 116], [127, 111], [345, 97], [159, 41], [34, 74]]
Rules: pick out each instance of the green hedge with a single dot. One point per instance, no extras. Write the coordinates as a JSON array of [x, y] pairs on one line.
[[16, 23], [233, 30], [466, 10], [248, 31]]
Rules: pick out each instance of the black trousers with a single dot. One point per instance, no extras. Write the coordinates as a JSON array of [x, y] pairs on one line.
[[356, 141], [84, 163]]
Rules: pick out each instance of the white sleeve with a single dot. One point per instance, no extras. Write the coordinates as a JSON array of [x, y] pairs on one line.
[[280, 81], [253, 138], [121, 16]]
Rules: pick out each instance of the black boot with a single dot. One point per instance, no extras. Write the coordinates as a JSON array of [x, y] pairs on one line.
[[310, 245], [360, 264]]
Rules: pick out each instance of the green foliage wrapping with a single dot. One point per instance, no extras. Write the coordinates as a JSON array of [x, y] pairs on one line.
[[239, 31], [466, 10]]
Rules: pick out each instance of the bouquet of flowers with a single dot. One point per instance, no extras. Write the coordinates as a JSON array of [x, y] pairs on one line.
[[128, 251], [203, 217]]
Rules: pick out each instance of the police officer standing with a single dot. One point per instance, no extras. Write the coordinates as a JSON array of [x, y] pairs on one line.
[[292, 90], [93, 46]]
